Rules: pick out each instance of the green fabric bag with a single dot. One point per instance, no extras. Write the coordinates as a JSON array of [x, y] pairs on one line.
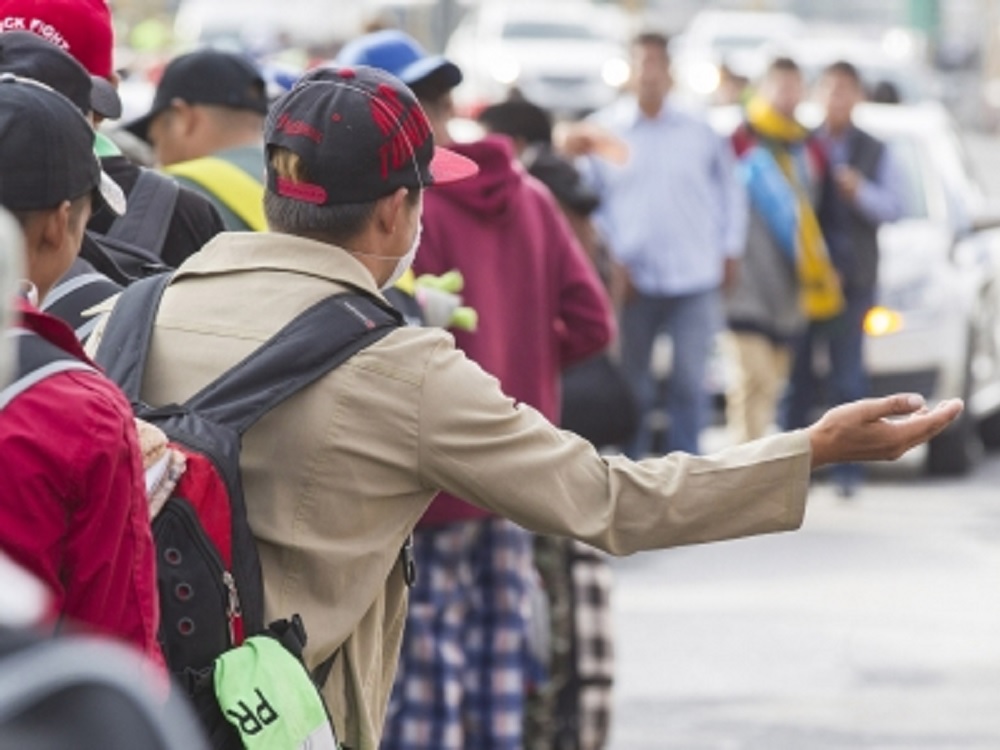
[[268, 696]]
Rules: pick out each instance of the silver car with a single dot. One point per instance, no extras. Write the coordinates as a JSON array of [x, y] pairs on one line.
[[567, 56]]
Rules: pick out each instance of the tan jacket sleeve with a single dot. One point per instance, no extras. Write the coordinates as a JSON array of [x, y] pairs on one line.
[[477, 444]]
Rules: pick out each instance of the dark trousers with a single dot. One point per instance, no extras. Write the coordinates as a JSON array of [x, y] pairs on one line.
[[843, 339]]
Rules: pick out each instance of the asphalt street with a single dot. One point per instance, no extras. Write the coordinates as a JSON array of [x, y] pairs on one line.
[[877, 625]]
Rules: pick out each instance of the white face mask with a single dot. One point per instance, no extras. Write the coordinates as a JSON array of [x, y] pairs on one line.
[[404, 263]]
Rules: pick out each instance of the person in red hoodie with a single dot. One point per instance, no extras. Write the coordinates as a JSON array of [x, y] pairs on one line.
[[466, 657], [72, 497]]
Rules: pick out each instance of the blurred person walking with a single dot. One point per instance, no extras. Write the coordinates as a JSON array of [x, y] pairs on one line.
[[541, 307], [206, 127], [864, 190], [572, 709], [675, 214], [786, 274], [73, 498]]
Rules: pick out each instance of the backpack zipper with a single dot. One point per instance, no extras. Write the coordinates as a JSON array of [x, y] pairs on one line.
[[233, 610]]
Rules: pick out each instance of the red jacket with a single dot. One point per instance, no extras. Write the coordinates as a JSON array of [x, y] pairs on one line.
[[73, 507], [541, 305]]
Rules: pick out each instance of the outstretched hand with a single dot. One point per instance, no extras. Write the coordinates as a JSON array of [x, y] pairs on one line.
[[878, 429]]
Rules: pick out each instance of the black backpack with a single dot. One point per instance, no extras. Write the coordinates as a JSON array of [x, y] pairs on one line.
[[131, 249], [211, 597]]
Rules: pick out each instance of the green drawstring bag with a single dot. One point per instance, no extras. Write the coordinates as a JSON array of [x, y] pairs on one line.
[[267, 695]]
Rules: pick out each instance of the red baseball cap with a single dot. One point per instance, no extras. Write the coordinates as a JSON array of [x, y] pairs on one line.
[[81, 27]]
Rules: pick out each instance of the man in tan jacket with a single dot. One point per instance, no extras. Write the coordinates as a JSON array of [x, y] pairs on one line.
[[338, 475]]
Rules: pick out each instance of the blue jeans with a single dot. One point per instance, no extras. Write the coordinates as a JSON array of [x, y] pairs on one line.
[[691, 321], [847, 381]]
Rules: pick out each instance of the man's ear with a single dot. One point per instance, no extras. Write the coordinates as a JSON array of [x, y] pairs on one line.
[[389, 211], [185, 116], [53, 227], [45, 234]]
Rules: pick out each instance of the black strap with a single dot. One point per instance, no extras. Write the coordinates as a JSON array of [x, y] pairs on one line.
[[150, 207], [125, 341], [314, 343], [81, 288], [37, 360]]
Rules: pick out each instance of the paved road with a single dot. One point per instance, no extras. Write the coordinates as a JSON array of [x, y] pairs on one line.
[[876, 626]]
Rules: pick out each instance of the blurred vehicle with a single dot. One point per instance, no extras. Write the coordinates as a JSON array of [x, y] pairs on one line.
[[263, 25], [569, 57], [936, 327], [739, 40]]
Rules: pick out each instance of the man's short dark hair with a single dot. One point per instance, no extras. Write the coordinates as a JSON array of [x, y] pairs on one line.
[[651, 39], [844, 68], [783, 65], [336, 224], [333, 224], [518, 119], [433, 87]]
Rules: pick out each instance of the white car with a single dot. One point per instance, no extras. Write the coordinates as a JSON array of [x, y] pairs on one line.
[[738, 39], [569, 57], [936, 327]]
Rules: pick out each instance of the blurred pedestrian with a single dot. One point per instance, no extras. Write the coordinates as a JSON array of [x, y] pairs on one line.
[[675, 214], [531, 283], [783, 168], [84, 30], [336, 477], [73, 499], [206, 128], [571, 710], [863, 192]]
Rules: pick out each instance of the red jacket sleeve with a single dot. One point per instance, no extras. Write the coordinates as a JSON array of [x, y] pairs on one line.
[[109, 555]]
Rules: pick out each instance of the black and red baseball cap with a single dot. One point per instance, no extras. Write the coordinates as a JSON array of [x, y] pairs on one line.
[[361, 134]]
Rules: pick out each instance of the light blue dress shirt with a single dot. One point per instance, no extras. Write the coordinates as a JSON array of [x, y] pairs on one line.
[[676, 210]]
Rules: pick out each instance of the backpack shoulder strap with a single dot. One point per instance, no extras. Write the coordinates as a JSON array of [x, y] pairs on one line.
[[79, 290], [124, 345], [37, 360], [150, 207], [240, 192], [316, 342]]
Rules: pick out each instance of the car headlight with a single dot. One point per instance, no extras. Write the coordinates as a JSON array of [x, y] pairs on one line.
[[883, 321], [505, 70], [615, 72], [702, 78]]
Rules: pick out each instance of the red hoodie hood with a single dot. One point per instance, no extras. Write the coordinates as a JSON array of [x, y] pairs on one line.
[[490, 191]]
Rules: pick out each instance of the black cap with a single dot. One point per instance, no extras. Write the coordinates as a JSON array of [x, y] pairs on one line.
[[361, 135], [208, 76], [47, 150], [29, 56]]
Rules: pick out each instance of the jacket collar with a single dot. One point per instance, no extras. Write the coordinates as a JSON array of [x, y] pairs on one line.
[[237, 252]]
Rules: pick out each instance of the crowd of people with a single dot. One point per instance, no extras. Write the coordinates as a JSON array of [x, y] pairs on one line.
[[416, 504]]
